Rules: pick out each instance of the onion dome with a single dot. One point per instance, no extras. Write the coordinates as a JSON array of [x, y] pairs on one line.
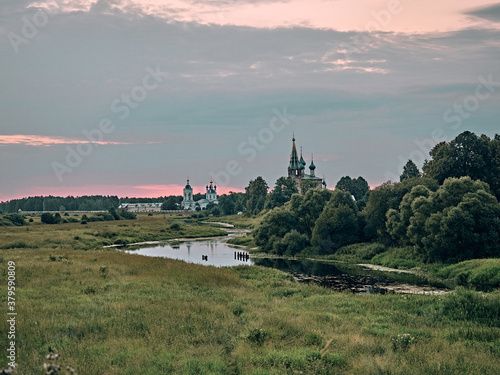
[[312, 167], [302, 161], [187, 185]]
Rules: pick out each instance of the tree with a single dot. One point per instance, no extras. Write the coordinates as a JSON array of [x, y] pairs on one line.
[[274, 226], [171, 203], [291, 244], [307, 208], [306, 185], [357, 187], [113, 213], [48, 218], [283, 190], [337, 225], [382, 199], [410, 170], [232, 203], [467, 155], [256, 192], [227, 204], [460, 221], [398, 221]]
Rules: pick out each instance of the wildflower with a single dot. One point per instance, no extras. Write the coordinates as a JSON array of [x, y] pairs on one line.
[[7, 370]]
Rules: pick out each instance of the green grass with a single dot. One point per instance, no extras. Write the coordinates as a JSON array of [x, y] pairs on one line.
[[239, 221], [244, 240], [95, 235], [480, 273], [115, 313], [107, 312]]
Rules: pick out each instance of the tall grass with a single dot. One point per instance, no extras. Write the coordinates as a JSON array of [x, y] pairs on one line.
[[114, 313], [95, 235]]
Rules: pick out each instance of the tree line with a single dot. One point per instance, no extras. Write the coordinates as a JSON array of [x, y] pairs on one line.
[[449, 211]]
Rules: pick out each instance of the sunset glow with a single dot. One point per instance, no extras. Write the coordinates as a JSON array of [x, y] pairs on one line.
[[40, 140], [216, 89]]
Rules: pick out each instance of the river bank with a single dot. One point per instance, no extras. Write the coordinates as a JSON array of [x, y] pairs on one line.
[[105, 311]]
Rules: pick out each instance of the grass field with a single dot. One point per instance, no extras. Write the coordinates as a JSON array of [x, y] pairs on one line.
[[106, 312], [95, 235]]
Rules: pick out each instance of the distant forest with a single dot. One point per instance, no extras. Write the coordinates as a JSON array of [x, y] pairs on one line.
[[448, 211], [85, 203]]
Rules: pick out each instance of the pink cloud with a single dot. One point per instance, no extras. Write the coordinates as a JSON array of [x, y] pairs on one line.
[[405, 16], [41, 140]]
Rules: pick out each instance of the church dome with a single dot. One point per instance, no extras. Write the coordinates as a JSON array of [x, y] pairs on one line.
[[187, 185]]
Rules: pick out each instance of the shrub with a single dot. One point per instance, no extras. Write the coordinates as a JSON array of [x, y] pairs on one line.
[[465, 304], [15, 219], [101, 216], [48, 218], [126, 215]]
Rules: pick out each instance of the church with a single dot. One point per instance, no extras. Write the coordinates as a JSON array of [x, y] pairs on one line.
[[297, 167], [210, 197]]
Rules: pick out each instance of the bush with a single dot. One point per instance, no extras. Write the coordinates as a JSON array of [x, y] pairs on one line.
[[482, 274], [126, 215], [464, 304], [101, 216], [15, 219], [292, 243], [48, 218], [113, 213], [175, 226]]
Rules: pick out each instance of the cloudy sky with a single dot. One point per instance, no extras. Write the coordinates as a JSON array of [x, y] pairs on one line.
[[132, 97]]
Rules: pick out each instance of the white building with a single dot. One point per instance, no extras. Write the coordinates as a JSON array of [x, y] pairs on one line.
[[210, 197], [141, 207]]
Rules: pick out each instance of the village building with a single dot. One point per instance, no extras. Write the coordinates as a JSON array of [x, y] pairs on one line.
[[297, 168], [210, 197], [141, 207]]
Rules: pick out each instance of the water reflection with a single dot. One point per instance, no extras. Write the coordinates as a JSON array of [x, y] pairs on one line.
[[351, 277], [209, 253], [338, 276]]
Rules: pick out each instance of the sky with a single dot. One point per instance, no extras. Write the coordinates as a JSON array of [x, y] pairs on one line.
[[131, 98]]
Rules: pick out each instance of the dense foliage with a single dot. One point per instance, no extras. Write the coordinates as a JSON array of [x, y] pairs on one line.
[[467, 155], [410, 170], [11, 219], [461, 220], [448, 213], [357, 187], [283, 190], [256, 192], [337, 225]]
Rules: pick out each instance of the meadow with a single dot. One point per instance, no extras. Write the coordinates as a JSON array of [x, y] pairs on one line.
[[95, 235], [107, 312]]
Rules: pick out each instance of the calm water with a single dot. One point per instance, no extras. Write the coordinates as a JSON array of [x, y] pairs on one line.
[[336, 276], [217, 253]]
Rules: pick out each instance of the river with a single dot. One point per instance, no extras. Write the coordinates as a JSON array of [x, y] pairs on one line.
[[335, 275]]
